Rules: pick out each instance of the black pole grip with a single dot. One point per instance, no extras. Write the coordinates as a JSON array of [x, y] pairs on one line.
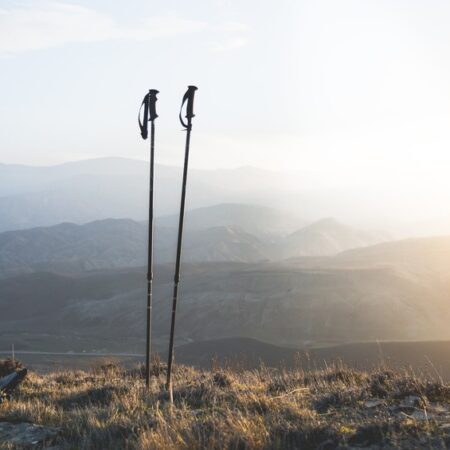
[[189, 98], [149, 105], [152, 104], [190, 103]]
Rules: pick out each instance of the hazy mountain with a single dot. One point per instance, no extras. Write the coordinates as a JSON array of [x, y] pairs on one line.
[[223, 244], [90, 190], [19, 179], [326, 300], [254, 219], [67, 246], [429, 252], [84, 191], [218, 233], [117, 243], [328, 237], [218, 243]]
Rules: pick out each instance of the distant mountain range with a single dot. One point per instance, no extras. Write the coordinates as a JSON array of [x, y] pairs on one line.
[[85, 191], [328, 237], [390, 291], [88, 190], [229, 232], [77, 281], [254, 219]]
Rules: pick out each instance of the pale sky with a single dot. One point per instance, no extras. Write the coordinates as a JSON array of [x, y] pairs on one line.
[[336, 87]]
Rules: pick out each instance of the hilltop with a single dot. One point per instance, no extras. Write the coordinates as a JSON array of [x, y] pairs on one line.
[[108, 407], [225, 232]]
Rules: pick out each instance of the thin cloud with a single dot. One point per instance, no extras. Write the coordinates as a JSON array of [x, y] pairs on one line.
[[163, 27], [234, 27], [234, 35], [53, 24], [230, 44]]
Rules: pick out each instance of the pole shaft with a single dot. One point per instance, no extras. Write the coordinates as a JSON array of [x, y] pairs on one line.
[[148, 353], [178, 258]]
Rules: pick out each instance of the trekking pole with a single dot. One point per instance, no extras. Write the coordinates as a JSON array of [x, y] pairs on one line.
[[149, 115], [189, 98]]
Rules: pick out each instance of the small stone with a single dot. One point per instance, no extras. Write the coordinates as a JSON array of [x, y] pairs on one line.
[[410, 401], [373, 403], [25, 433], [422, 415], [401, 409]]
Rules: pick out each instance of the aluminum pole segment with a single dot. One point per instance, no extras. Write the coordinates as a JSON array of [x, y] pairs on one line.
[[148, 353], [178, 260], [149, 104], [189, 97]]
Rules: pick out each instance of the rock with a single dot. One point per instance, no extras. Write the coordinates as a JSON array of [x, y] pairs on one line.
[[25, 433], [401, 409], [422, 415], [411, 401], [373, 403]]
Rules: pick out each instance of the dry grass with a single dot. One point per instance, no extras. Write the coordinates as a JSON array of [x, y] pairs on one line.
[[109, 408]]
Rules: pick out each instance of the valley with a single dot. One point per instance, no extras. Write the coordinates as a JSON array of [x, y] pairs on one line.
[[374, 293], [255, 279]]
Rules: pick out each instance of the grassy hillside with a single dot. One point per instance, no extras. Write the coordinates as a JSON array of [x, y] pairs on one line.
[[431, 358], [334, 408]]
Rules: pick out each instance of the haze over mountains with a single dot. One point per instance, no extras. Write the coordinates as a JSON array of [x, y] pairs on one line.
[[89, 190], [77, 281], [242, 233], [85, 284], [85, 191]]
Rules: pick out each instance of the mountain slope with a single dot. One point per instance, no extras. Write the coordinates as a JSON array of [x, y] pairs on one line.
[[101, 244], [432, 252], [258, 220], [223, 243], [289, 303], [114, 243], [218, 233], [328, 237]]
